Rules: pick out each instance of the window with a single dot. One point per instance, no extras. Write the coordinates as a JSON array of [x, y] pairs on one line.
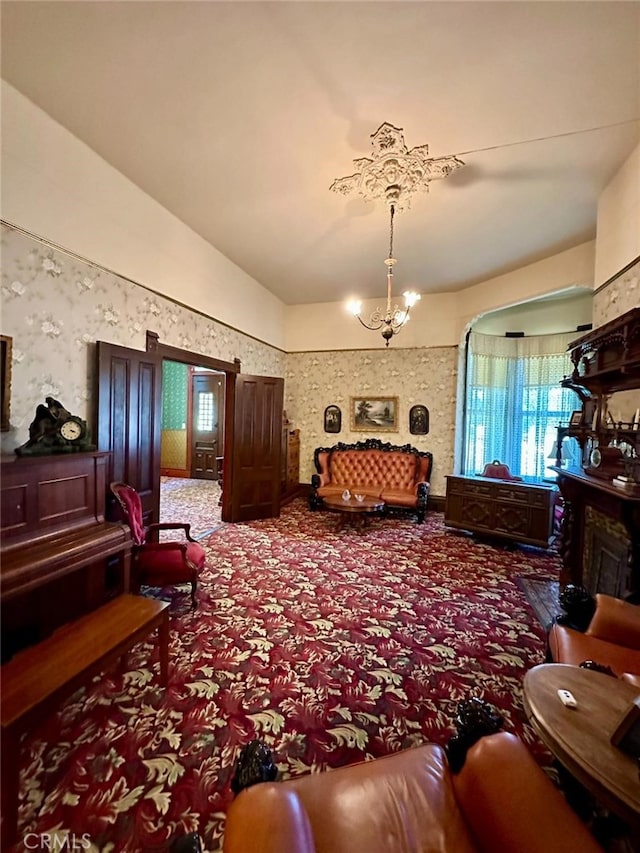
[[206, 411], [514, 403]]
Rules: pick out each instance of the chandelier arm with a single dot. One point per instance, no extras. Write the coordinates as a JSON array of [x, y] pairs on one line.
[[395, 324], [375, 322]]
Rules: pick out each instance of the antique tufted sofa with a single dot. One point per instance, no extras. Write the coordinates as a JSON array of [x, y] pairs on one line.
[[398, 475]]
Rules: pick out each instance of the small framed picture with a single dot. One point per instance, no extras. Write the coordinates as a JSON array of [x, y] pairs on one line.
[[418, 420], [332, 419], [575, 419]]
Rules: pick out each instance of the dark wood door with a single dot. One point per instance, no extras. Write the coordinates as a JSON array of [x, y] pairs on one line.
[[252, 473], [207, 420], [129, 420]]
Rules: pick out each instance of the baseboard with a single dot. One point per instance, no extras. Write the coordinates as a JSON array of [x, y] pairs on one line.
[[175, 472], [436, 503]]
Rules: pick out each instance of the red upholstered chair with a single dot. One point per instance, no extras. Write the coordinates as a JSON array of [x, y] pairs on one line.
[[159, 564], [499, 471]]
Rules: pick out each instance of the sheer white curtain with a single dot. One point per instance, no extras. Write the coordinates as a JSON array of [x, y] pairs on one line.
[[514, 402]]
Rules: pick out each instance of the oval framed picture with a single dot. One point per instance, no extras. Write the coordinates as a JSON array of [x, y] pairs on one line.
[[332, 419], [418, 420]]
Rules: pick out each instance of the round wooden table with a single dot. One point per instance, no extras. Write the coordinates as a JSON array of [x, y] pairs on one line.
[[580, 737], [354, 511]]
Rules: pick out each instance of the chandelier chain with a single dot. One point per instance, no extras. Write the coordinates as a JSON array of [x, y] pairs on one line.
[[393, 211]]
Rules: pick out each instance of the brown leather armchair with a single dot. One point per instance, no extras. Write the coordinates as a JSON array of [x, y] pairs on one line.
[[612, 639], [500, 802]]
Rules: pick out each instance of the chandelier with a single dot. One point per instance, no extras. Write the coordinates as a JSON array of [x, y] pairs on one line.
[[393, 174], [391, 320]]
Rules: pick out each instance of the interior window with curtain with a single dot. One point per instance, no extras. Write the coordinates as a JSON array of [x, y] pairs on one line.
[[514, 404]]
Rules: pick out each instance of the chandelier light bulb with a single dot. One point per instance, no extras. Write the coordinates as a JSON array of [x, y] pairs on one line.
[[355, 307], [410, 298]]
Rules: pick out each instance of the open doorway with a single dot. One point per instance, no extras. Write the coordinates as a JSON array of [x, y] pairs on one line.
[[192, 446], [205, 427], [129, 420]]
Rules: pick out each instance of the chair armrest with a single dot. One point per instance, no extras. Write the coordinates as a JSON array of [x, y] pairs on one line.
[[167, 526], [267, 818], [510, 804], [616, 621]]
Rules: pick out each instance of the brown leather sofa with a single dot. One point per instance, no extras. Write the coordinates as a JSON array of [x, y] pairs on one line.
[[500, 802], [399, 475], [612, 639]]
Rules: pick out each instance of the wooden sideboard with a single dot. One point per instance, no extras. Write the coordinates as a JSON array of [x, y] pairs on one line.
[[505, 509], [60, 558]]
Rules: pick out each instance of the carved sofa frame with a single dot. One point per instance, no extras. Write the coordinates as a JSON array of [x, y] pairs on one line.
[[400, 475]]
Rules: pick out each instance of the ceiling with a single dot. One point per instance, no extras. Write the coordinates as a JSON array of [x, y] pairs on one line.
[[237, 117]]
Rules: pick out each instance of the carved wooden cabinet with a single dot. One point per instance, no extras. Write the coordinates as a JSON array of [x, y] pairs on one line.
[[501, 508], [290, 463], [600, 536]]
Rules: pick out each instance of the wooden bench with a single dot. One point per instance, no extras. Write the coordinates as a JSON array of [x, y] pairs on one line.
[[38, 678]]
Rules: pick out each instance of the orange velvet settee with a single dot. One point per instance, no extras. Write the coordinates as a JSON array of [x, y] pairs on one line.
[[399, 475]]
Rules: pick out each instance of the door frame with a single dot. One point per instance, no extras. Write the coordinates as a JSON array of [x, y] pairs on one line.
[[230, 369]]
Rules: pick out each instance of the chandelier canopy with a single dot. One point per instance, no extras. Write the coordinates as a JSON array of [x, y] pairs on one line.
[[393, 174]]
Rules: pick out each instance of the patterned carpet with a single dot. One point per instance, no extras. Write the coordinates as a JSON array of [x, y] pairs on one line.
[[331, 646], [192, 501]]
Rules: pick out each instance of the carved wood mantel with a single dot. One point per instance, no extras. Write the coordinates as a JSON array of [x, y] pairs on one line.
[[600, 536]]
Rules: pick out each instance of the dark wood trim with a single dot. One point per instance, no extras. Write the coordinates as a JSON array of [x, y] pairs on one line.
[[6, 344], [437, 502], [175, 472], [186, 357], [616, 275], [191, 374]]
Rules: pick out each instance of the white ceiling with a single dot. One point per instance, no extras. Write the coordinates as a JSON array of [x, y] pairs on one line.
[[237, 116]]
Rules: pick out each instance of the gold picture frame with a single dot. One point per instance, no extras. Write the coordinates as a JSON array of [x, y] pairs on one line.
[[374, 414]]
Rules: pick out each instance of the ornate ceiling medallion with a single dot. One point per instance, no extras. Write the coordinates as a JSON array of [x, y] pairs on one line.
[[395, 173]]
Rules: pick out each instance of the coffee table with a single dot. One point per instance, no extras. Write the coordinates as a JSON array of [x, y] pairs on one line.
[[354, 511], [580, 737]]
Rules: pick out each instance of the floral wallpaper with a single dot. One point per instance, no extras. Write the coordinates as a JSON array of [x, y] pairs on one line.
[[619, 296], [315, 380], [55, 307]]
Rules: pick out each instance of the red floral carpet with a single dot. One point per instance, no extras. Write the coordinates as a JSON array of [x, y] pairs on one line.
[[331, 646]]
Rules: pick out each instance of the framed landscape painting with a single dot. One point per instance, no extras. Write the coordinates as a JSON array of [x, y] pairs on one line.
[[374, 414]]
